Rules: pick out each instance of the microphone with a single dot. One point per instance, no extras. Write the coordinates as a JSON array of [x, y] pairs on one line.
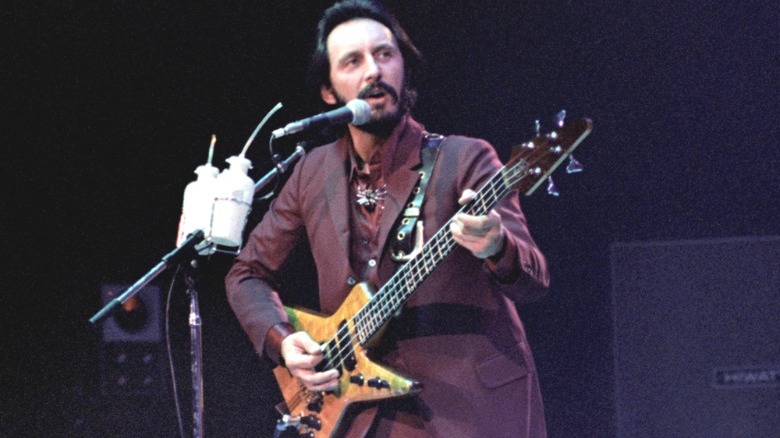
[[356, 111]]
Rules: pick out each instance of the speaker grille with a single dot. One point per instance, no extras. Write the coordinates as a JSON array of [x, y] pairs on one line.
[[697, 337]]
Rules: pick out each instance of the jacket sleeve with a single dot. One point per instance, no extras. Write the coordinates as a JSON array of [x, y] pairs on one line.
[[519, 271], [252, 282]]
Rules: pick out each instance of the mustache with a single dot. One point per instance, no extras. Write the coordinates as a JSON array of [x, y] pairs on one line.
[[379, 86]]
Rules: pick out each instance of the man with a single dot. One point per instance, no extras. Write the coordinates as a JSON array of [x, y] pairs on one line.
[[459, 334]]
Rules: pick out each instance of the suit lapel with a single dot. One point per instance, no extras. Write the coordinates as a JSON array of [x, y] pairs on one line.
[[338, 196]]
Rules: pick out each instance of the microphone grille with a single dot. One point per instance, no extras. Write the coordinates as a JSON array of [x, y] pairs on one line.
[[361, 111]]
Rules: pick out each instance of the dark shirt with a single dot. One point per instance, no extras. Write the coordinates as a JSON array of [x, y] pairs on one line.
[[366, 199]]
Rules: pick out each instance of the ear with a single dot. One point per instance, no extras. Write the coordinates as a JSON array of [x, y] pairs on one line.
[[328, 96]]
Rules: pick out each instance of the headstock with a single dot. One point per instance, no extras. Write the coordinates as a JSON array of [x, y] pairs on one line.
[[534, 161]]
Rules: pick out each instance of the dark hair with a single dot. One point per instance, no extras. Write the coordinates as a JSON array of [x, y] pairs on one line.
[[319, 64]]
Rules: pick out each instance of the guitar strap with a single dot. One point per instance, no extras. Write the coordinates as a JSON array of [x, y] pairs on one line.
[[403, 245]]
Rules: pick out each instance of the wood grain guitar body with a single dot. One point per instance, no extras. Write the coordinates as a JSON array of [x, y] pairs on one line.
[[360, 381]]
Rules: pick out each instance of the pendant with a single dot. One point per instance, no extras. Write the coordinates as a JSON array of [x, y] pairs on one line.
[[369, 199]]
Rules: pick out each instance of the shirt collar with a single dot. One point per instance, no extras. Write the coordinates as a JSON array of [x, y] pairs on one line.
[[380, 156]]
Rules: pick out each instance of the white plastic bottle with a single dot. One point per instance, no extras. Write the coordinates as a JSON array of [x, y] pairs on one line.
[[233, 200], [198, 203]]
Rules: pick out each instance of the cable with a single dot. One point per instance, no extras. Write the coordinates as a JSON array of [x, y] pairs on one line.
[[168, 344]]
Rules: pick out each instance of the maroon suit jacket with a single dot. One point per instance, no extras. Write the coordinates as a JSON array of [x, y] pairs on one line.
[[459, 334]]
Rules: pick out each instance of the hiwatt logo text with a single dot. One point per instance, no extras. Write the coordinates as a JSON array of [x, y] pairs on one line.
[[746, 377]]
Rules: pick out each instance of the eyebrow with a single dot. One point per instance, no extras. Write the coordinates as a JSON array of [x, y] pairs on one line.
[[344, 57], [384, 46], [380, 46]]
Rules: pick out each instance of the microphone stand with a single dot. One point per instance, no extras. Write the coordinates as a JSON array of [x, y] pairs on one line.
[[185, 255], [196, 351], [282, 166], [185, 251]]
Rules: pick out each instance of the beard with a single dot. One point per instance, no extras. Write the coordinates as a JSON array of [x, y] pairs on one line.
[[382, 121]]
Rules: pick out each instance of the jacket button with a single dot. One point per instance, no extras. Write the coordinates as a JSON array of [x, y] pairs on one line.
[[372, 263]]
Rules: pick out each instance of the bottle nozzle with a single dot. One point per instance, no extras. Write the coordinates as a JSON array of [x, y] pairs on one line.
[[211, 148], [262, 122]]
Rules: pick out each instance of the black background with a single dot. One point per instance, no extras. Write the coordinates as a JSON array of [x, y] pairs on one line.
[[110, 106]]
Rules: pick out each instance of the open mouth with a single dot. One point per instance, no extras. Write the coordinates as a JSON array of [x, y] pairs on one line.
[[377, 91], [374, 93]]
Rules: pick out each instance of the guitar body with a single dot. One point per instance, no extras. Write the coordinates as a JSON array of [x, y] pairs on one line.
[[361, 379]]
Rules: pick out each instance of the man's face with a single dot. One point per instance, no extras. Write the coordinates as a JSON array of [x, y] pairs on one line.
[[366, 63]]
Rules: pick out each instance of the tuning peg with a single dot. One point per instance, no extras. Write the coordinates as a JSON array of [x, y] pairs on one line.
[[537, 127], [551, 189], [560, 118], [574, 166]]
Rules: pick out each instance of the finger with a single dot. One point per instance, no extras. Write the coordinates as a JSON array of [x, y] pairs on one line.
[[479, 225], [465, 240], [300, 351], [480, 243], [317, 381], [313, 358], [456, 228], [302, 359], [328, 386], [325, 377], [492, 217], [312, 377], [468, 238], [312, 348], [466, 196], [306, 344]]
